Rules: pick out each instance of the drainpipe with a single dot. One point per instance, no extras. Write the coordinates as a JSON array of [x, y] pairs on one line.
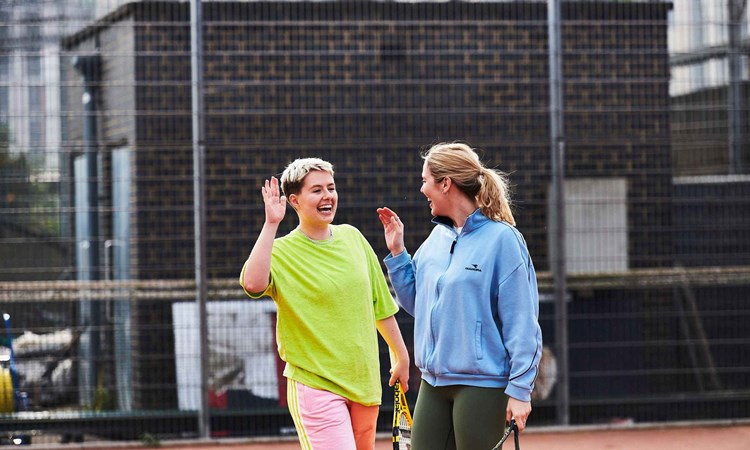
[[736, 101], [89, 313]]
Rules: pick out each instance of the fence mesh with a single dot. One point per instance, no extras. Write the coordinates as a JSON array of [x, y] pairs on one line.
[[97, 236]]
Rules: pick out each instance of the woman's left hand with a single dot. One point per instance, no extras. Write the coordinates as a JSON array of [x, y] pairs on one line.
[[518, 410]]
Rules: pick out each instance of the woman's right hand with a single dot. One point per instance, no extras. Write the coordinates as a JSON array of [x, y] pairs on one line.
[[393, 229], [274, 201]]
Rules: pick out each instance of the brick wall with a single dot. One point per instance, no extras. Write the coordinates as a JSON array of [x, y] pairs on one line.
[[369, 95], [700, 131]]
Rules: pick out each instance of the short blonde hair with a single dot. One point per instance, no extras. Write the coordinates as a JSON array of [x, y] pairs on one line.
[[294, 175], [487, 187]]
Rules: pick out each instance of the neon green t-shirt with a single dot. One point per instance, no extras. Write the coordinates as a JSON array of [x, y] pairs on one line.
[[328, 296]]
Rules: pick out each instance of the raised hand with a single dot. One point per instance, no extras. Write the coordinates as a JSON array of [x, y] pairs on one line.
[[274, 201], [393, 229]]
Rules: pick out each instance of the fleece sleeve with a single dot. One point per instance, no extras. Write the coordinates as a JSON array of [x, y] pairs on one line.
[[518, 304], [401, 273]]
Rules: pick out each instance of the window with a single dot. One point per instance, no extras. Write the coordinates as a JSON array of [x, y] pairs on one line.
[[36, 120], [34, 66], [3, 104]]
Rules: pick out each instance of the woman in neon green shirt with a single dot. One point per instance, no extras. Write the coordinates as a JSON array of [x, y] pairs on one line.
[[332, 300]]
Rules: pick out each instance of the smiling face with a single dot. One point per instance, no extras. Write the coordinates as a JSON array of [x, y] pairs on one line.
[[433, 190], [317, 199]]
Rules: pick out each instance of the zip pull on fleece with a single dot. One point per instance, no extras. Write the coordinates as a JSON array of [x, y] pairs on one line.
[[453, 245]]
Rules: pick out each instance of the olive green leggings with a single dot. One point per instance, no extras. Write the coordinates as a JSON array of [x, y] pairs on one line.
[[458, 418]]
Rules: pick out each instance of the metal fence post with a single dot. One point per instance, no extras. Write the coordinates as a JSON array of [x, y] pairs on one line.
[[557, 148], [199, 203]]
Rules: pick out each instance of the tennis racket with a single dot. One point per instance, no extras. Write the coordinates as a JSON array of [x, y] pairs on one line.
[[401, 420], [512, 427]]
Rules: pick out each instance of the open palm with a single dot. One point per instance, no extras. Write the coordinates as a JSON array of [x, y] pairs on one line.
[[393, 229], [275, 202]]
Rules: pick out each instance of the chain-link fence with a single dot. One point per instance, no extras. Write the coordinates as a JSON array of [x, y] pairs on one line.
[[98, 278]]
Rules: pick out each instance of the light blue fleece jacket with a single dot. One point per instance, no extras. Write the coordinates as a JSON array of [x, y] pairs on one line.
[[475, 304]]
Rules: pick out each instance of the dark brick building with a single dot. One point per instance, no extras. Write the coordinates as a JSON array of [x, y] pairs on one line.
[[367, 85]]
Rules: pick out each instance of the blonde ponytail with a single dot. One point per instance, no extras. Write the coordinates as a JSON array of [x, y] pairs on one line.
[[493, 197]]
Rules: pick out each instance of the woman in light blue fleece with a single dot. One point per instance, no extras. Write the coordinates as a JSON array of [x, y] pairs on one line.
[[472, 290]]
